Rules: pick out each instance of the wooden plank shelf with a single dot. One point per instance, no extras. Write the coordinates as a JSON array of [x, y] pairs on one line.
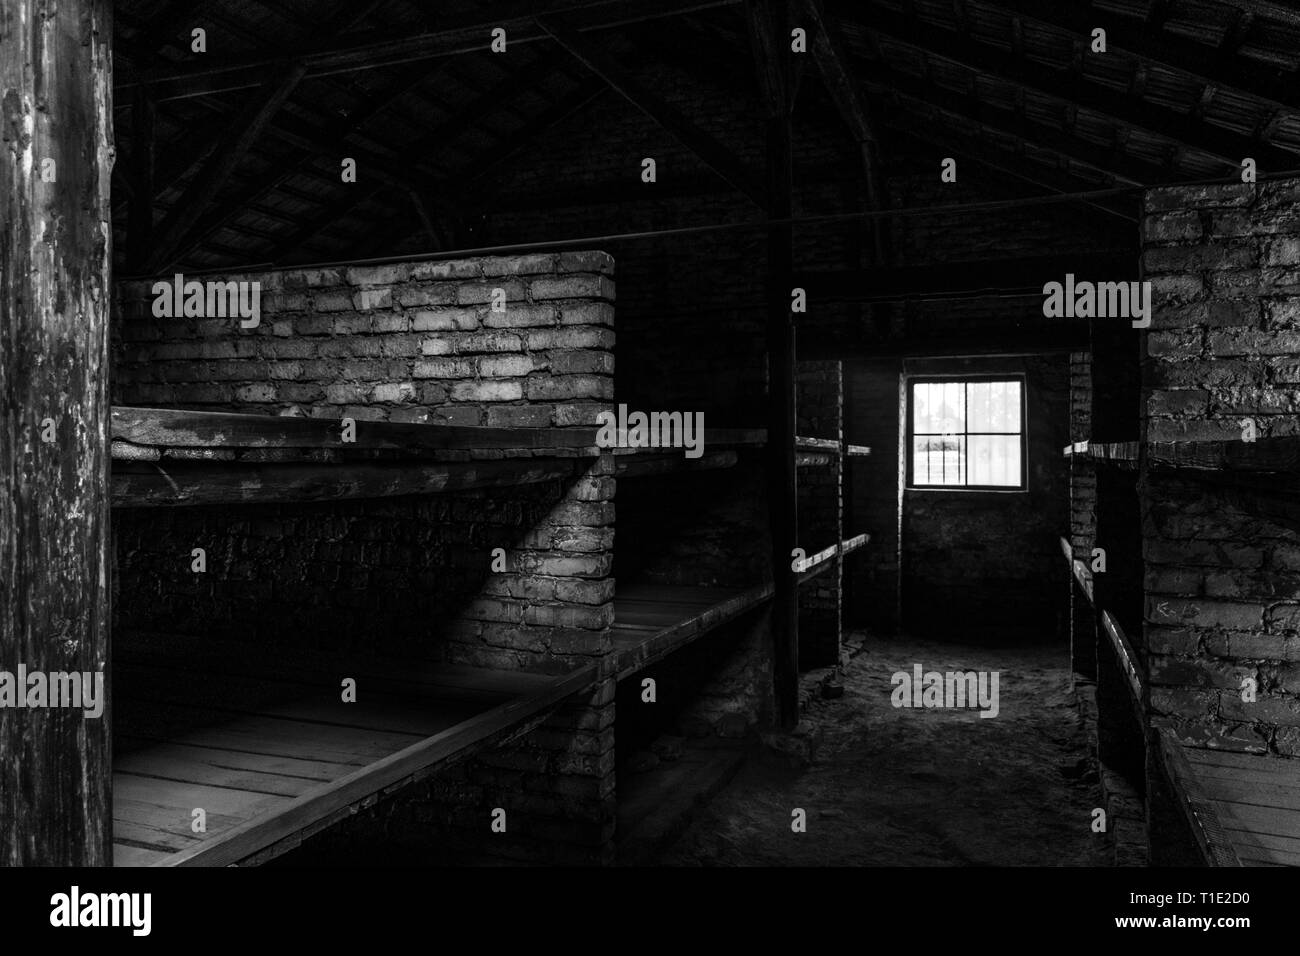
[[159, 433], [1279, 455], [1244, 809], [815, 564], [273, 758], [828, 445], [652, 621], [1128, 660], [144, 484]]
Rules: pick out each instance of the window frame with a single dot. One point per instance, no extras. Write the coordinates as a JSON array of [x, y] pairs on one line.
[[910, 448]]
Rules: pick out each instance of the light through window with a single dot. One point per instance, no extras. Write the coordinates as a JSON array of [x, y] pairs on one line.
[[967, 433]]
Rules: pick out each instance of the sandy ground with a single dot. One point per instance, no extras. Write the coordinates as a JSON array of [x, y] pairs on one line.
[[918, 787]]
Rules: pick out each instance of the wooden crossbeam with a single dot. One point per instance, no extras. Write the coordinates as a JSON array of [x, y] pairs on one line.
[[844, 90], [242, 132], [335, 133], [1016, 163], [700, 142], [1220, 144], [1025, 274], [942, 101]]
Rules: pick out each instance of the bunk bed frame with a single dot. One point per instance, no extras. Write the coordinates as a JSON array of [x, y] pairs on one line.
[[1242, 809], [286, 758]]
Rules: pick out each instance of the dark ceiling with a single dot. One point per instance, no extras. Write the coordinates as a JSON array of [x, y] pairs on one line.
[[248, 136]]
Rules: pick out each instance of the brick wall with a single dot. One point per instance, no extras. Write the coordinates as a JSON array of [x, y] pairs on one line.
[[993, 558], [1221, 580], [409, 342]]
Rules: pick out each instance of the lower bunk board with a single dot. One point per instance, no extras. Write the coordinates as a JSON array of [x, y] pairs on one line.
[[1257, 800], [651, 621], [271, 759]]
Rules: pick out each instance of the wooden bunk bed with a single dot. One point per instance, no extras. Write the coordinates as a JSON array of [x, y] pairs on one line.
[[274, 756]]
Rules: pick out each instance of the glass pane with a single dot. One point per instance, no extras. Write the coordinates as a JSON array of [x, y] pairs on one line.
[[994, 406], [995, 460], [938, 460], [938, 408]]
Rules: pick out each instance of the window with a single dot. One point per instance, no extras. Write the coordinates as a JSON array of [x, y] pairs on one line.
[[966, 433]]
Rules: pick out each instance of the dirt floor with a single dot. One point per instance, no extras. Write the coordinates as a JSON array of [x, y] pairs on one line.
[[918, 787]]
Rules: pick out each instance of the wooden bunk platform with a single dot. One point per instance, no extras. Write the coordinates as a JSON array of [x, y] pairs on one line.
[[1244, 809], [272, 758], [652, 621], [168, 457]]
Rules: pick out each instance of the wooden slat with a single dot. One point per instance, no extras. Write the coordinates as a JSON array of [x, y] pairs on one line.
[[247, 838], [1257, 763], [816, 444], [1200, 812], [1261, 821], [1124, 653], [651, 635], [834, 551]]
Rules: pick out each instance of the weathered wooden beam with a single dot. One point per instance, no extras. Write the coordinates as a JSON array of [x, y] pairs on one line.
[[182, 428], [700, 142], [240, 135], [769, 31], [55, 66], [137, 485]]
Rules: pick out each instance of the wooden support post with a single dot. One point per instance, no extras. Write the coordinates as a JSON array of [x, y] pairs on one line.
[[55, 77], [768, 24]]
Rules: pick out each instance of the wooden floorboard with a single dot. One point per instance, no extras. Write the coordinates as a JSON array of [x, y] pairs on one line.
[[267, 757], [1256, 799]]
